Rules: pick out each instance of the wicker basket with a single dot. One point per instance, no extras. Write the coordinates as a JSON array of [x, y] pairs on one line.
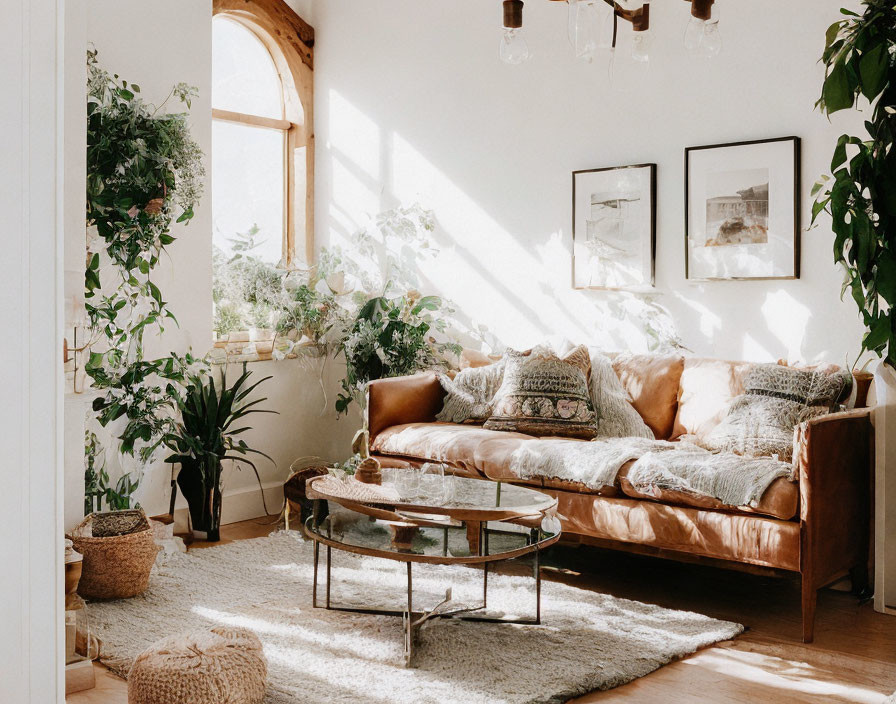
[[115, 567]]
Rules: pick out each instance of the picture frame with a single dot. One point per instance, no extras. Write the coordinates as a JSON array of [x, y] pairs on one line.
[[742, 210], [614, 228]]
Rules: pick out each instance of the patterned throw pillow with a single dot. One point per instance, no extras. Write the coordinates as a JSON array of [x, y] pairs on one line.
[[776, 399], [542, 394], [470, 395]]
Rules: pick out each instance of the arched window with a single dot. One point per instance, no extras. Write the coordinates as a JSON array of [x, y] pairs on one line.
[[262, 137]]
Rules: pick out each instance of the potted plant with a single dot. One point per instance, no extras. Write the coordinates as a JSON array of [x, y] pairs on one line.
[[390, 337], [205, 436], [860, 197]]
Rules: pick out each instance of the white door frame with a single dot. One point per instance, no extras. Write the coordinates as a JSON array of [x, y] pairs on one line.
[[31, 573]]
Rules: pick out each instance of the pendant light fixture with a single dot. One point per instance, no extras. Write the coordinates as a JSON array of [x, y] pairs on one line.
[[513, 48], [595, 24]]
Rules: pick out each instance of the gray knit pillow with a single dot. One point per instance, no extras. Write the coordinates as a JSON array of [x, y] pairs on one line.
[[776, 399], [471, 394]]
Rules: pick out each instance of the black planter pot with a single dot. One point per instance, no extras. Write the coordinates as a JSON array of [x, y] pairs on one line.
[[200, 483]]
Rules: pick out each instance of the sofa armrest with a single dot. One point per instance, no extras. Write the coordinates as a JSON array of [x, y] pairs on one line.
[[834, 466], [403, 399]]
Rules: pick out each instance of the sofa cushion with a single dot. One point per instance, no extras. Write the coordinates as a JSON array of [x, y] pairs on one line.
[[453, 443], [780, 500], [707, 388], [542, 394], [493, 458], [775, 400], [652, 382], [614, 413]]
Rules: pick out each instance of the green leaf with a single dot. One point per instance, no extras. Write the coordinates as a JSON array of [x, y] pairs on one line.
[[837, 93], [885, 276], [873, 70]]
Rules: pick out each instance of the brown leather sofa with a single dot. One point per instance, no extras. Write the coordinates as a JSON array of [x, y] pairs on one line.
[[816, 527]]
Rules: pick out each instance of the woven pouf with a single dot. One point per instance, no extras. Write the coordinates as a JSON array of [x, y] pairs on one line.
[[220, 666]]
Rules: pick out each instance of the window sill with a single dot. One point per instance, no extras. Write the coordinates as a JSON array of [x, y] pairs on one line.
[[238, 352]]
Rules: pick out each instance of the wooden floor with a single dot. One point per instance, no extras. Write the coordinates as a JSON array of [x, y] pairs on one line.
[[853, 658]]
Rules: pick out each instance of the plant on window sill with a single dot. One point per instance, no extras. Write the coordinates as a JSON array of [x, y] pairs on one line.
[[143, 171], [860, 196]]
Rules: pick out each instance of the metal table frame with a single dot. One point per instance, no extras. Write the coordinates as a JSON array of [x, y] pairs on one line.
[[413, 620]]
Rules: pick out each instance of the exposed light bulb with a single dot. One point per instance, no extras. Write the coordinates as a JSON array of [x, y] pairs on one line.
[[513, 49], [712, 38], [702, 38], [641, 42], [585, 24]]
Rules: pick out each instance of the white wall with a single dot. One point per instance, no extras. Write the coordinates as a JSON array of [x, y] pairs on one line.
[[412, 104], [156, 45], [31, 647]]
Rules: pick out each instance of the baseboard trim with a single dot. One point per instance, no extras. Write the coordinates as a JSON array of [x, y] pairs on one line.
[[240, 504]]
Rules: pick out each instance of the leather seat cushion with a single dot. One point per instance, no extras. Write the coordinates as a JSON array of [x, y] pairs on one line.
[[492, 458], [781, 499], [453, 443]]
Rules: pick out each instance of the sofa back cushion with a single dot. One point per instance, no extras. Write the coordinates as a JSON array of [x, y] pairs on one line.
[[707, 388], [652, 382]]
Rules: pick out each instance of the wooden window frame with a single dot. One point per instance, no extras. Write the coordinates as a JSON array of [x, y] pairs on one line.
[[290, 42]]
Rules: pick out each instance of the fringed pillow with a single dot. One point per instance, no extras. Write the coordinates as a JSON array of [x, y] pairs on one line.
[[542, 394], [615, 416], [470, 394], [776, 399]]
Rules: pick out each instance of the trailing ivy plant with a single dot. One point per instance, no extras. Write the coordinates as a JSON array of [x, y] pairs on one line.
[[860, 195], [144, 171]]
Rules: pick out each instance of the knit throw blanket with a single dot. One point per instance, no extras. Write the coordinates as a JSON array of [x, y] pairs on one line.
[[729, 478], [594, 464], [732, 479]]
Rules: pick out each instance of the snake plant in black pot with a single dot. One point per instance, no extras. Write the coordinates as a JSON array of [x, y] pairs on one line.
[[205, 436]]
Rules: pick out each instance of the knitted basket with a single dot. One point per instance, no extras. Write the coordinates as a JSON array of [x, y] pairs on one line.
[[223, 665], [115, 567]]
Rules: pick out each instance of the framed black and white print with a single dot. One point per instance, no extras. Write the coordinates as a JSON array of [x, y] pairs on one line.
[[742, 210], [614, 227]]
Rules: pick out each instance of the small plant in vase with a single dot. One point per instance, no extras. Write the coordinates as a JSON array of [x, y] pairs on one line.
[[205, 436]]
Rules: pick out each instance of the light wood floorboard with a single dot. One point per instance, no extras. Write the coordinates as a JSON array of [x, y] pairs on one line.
[[853, 658]]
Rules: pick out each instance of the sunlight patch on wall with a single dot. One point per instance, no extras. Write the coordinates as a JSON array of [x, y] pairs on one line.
[[352, 132], [787, 320]]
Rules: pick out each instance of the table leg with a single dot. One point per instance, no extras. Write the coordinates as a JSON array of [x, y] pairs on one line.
[[314, 583], [409, 623], [329, 550], [474, 530]]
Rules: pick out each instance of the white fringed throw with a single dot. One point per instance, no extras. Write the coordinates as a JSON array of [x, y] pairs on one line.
[[730, 478], [594, 464]]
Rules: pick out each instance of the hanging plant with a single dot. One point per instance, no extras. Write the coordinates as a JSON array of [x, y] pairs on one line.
[[860, 195], [144, 172]]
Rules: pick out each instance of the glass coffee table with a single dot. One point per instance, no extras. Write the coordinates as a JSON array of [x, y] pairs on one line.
[[483, 522]]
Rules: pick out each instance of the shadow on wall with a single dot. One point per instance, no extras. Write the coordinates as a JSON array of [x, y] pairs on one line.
[[494, 180], [479, 293]]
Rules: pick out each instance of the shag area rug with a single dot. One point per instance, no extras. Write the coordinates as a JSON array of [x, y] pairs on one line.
[[587, 641]]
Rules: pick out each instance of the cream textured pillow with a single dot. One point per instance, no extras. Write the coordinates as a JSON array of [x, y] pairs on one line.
[[614, 414], [775, 400], [542, 394], [470, 395]]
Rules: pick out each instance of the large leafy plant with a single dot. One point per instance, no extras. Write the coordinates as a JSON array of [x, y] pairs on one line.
[[144, 171], [390, 337], [860, 195]]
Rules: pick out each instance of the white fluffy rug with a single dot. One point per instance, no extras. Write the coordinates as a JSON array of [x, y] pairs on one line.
[[587, 641]]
